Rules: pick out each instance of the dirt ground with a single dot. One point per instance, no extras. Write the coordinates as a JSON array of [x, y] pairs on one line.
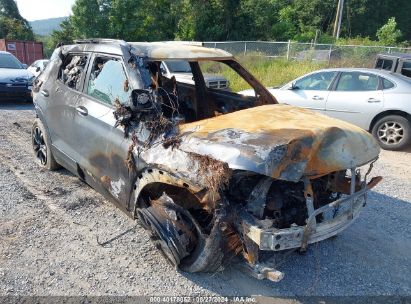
[[59, 237]]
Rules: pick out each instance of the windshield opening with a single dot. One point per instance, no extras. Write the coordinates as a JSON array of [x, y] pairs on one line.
[[203, 95], [9, 62]]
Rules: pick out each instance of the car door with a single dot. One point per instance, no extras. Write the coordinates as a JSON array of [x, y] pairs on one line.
[[103, 146], [60, 97], [308, 92], [357, 98]]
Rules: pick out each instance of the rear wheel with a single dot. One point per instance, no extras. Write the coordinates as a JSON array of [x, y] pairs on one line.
[[393, 132], [42, 146]]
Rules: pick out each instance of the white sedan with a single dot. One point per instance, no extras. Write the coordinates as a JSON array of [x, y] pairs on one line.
[[38, 66], [375, 100]]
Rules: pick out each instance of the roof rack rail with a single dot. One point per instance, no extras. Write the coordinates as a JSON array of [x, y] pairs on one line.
[[99, 40]]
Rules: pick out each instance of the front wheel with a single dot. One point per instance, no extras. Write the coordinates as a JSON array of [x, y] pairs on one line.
[[393, 132], [42, 146], [177, 234]]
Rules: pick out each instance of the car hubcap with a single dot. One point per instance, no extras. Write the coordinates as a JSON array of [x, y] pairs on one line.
[[391, 133], [39, 146]]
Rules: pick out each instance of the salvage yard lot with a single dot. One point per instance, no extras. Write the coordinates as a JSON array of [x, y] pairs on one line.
[[60, 237]]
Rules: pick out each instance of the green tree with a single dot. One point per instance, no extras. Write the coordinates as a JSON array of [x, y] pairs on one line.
[[389, 34], [12, 24], [208, 20], [65, 35], [221, 20], [364, 17], [90, 18]]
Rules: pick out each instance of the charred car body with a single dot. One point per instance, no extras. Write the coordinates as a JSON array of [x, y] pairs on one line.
[[211, 173]]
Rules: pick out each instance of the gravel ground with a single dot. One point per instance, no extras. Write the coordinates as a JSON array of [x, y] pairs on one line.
[[52, 227]]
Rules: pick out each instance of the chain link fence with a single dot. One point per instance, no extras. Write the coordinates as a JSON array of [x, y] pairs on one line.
[[306, 51]]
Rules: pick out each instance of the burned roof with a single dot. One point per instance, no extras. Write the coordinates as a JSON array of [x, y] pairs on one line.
[[178, 51], [156, 51]]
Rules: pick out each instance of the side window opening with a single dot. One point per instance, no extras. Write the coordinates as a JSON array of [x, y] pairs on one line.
[[356, 81], [406, 68], [72, 70], [316, 82], [108, 81], [384, 64], [387, 84]]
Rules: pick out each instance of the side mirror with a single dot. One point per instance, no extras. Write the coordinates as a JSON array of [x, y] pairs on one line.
[[38, 69], [143, 100], [25, 66], [293, 86]]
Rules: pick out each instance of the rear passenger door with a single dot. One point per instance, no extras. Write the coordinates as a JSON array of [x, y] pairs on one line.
[[357, 98], [102, 147]]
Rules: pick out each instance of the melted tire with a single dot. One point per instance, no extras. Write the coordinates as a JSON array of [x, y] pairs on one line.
[[206, 256]]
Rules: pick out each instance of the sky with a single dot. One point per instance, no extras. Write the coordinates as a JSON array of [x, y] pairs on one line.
[[44, 9]]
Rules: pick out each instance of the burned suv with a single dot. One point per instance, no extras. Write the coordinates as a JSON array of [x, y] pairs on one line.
[[211, 173]]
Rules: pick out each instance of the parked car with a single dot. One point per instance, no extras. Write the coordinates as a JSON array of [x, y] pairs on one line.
[[399, 63], [211, 173], [181, 70], [15, 81], [37, 67], [377, 101]]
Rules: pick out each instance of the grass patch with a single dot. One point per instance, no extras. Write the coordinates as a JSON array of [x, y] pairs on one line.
[[270, 72]]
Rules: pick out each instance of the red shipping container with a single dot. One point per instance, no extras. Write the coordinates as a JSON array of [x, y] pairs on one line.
[[25, 51]]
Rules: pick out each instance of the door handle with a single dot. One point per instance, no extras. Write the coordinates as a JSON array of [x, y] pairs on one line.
[[82, 111], [372, 100], [45, 93], [316, 97]]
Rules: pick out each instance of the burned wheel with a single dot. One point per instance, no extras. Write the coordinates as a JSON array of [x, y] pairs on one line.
[[172, 227], [177, 234], [41, 146]]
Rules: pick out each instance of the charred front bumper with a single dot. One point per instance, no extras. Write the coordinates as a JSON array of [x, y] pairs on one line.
[[312, 232], [321, 223]]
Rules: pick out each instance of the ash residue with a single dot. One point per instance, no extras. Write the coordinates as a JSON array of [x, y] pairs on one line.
[[216, 173]]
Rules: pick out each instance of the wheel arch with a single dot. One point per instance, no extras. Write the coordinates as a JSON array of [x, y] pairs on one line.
[[386, 113], [157, 180], [40, 116]]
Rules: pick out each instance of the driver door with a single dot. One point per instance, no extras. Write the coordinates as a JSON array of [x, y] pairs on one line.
[[310, 92], [103, 147]]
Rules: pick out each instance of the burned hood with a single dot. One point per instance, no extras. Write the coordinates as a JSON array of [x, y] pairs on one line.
[[280, 141]]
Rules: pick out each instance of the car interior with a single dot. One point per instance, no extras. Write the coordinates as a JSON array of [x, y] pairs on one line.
[[195, 102]]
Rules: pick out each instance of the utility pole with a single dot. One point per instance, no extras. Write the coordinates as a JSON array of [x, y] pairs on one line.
[[338, 17]]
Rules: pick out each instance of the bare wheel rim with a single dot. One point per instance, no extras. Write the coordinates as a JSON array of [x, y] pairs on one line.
[[39, 146], [390, 133]]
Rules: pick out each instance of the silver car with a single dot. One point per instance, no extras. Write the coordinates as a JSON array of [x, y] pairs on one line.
[[181, 70], [37, 67], [375, 100]]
